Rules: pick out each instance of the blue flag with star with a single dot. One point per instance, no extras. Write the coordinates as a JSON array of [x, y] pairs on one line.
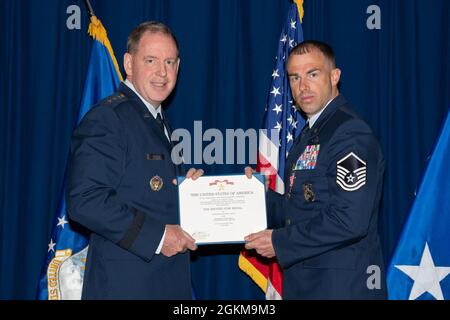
[[63, 270], [420, 266]]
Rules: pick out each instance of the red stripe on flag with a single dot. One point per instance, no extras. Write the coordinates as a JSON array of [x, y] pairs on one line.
[[265, 167]]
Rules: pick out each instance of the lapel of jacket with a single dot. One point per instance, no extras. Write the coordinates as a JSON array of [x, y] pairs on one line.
[[146, 116], [334, 105], [312, 136]]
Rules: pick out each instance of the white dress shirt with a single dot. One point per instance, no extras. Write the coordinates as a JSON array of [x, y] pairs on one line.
[[316, 116]]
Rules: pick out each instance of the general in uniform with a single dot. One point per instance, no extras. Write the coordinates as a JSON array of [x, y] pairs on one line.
[[120, 181], [120, 187]]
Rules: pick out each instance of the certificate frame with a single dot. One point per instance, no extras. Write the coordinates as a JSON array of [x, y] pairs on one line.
[[222, 182]]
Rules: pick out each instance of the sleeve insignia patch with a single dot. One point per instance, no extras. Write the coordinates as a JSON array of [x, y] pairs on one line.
[[351, 172]]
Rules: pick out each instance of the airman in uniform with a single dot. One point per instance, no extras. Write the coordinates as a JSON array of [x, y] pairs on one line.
[[324, 231]]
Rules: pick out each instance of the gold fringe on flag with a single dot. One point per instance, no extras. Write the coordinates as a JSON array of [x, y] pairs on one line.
[[253, 272], [301, 12], [98, 32]]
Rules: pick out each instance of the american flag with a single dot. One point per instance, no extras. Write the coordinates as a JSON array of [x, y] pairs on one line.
[[283, 124]]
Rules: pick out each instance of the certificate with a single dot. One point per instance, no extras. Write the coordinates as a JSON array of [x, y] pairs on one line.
[[222, 209]]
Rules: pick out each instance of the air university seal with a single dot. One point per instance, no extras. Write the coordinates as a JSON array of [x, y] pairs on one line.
[[156, 183], [65, 275]]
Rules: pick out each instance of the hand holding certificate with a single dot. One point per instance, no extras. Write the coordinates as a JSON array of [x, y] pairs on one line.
[[222, 209]]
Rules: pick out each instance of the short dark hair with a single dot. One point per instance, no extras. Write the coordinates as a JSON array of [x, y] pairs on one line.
[[310, 45], [152, 27]]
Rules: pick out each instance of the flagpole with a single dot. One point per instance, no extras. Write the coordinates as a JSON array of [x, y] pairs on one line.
[[89, 7]]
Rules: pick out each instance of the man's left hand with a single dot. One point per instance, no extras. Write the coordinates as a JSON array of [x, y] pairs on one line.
[[261, 242], [194, 173], [191, 174]]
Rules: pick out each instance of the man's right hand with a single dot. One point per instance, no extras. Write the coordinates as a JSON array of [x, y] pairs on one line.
[[176, 241], [249, 173]]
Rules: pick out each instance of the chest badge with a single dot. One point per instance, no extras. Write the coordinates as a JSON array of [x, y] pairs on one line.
[[308, 192], [308, 159], [156, 183]]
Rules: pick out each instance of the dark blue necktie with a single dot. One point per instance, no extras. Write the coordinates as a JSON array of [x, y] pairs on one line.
[[303, 133], [160, 122], [305, 130]]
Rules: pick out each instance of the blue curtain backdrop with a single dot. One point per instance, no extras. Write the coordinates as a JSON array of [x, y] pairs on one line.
[[397, 77]]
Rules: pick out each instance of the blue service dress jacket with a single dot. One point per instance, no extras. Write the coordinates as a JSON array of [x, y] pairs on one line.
[[327, 241], [120, 188]]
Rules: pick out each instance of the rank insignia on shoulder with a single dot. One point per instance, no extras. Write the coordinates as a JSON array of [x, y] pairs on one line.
[[156, 183], [351, 172], [115, 98]]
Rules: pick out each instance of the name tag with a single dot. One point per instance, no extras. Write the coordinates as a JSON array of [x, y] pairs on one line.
[[308, 159], [151, 156]]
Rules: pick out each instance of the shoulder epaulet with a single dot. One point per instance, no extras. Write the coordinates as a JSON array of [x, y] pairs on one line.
[[114, 99]]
